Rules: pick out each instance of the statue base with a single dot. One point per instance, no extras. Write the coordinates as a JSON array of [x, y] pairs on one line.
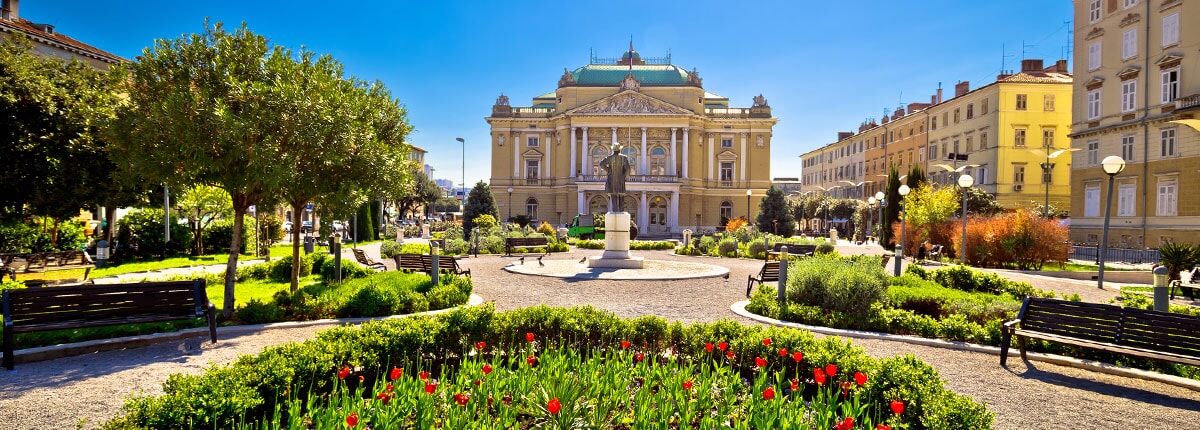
[[616, 245]]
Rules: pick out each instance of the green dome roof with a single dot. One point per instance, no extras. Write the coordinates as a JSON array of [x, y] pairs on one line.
[[634, 54], [612, 74]]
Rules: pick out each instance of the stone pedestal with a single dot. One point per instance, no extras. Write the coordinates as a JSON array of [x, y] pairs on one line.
[[616, 245], [425, 231]]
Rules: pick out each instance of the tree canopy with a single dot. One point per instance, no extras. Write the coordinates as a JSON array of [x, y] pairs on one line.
[[774, 215], [479, 202]]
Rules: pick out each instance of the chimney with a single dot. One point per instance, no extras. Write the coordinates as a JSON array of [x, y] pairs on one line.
[[913, 107], [939, 94], [10, 10], [843, 135], [933, 100], [1031, 66], [1059, 66], [898, 113], [885, 119], [962, 88]]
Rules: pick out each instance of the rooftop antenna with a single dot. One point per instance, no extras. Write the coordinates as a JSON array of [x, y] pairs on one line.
[[1003, 57], [1023, 46], [1070, 52]]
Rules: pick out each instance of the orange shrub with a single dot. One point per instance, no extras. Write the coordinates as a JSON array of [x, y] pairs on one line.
[[1019, 240], [735, 224]]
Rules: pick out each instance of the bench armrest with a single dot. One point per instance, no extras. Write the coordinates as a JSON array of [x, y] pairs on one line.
[[1009, 325]]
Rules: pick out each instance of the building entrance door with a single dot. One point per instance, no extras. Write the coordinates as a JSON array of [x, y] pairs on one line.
[[658, 215]]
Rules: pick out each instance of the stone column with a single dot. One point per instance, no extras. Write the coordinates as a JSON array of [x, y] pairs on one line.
[[642, 156], [581, 204], [571, 173], [671, 170], [548, 162], [587, 157], [685, 152], [673, 215], [614, 137], [517, 156], [712, 174], [644, 214], [744, 156]]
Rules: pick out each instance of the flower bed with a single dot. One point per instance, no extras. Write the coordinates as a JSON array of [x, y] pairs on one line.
[[559, 368]]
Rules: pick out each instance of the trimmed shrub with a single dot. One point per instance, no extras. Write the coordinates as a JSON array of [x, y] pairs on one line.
[[259, 312], [281, 269], [824, 248], [390, 248], [728, 247], [757, 248], [837, 284]]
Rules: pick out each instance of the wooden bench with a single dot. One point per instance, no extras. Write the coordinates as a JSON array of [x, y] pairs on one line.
[[935, 252], [424, 263], [886, 258], [364, 260], [1134, 332], [768, 273], [793, 249], [526, 242], [54, 308], [46, 261]]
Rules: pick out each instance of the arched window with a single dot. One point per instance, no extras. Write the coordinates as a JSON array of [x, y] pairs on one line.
[[598, 154], [631, 152], [658, 161], [727, 210], [531, 208]]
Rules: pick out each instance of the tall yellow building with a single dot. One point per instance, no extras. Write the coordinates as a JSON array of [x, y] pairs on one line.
[[1002, 134], [1138, 70], [695, 159]]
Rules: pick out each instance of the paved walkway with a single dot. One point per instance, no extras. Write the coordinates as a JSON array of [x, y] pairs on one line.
[[60, 393]]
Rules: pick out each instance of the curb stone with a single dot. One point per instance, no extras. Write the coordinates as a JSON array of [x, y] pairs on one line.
[[739, 308], [44, 353]]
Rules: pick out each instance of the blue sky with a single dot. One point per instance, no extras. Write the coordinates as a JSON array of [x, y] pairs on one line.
[[823, 66]]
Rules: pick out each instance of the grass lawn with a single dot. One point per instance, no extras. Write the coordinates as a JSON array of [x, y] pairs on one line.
[[277, 251], [248, 290]]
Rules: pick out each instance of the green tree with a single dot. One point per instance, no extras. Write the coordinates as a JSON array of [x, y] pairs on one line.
[[980, 202], [363, 229], [200, 110], [891, 207], [420, 191], [446, 204], [480, 201], [201, 205], [916, 177], [773, 214], [927, 207], [53, 155]]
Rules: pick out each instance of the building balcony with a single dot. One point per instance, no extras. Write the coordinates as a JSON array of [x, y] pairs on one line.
[[522, 112], [632, 178], [754, 112], [1187, 102]]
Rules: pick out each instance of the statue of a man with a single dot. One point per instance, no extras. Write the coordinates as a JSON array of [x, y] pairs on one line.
[[617, 167]]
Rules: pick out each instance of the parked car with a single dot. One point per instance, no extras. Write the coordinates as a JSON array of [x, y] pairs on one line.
[[338, 226], [287, 226], [306, 227]]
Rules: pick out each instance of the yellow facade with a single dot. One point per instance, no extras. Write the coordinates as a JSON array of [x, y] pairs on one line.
[[694, 158], [985, 126], [1137, 66]]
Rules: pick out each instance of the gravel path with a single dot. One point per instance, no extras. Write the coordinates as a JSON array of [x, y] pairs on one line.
[[90, 389]]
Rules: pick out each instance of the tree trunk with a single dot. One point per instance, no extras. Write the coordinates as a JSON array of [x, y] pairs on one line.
[[240, 205], [296, 211], [110, 212]]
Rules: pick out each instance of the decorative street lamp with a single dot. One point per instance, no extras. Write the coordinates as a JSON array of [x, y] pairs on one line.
[[870, 216], [965, 182], [464, 174], [510, 204], [879, 199], [1112, 166], [1048, 171], [903, 214], [748, 193]]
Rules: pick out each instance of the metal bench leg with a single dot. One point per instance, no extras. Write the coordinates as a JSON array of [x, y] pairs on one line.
[[1021, 341], [8, 348], [749, 283], [212, 322], [1005, 341]]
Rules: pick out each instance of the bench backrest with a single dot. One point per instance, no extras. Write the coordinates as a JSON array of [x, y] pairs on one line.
[[1138, 328], [794, 248], [89, 303], [526, 241], [770, 270], [424, 262]]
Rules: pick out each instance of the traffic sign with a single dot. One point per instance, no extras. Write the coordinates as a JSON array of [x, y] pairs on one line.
[[308, 207]]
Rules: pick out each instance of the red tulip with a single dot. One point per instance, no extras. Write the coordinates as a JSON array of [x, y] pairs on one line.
[[760, 362], [396, 372], [529, 337], [430, 387], [797, 356], [532, 360], [423, 375], [830, 369], [361, 378], [883, 427], [384, 397], [687, 385], [487, 368], [478, 382], [461, 399], [795, 385], [846, 424], [638, 356], [708, 347], [897, 407], [390, 388], [480, 345], [846, 388], [722, 346], [342, 374], [783, 352], [767, 342], [624, 344], [768, 393], [729, 354], [860, 378], [819, 376], [352, 419], [554, 406]]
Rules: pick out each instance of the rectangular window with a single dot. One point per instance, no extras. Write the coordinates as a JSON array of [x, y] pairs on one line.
[[1167, 141], [933, 125], [1094, 52], [945, 119], [532, 169], [1093, 104], [1091, 201], [970, 143], [970, 111], [1094, 11], [945, 147], [956, 115], [921, 154], [1048, 138], [933, 151], [531, 141], [983, 141], [726, 171], [1093, 152], [1018, 174], [1129, 44], [1022, 101], [1126, 199], [1048, 102], [1129, 95], [982, 172], [1170, 29], [1019, 138], [1168, 197], [1127, 147], [983, 107], [1170, 85], [1130, 3], [727, 143]]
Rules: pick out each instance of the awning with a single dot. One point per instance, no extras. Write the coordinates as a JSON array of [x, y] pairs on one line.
[[838, 220]]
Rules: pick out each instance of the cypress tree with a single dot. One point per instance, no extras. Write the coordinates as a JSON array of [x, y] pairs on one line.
[[773, 214], [479, 202], [891, 211]]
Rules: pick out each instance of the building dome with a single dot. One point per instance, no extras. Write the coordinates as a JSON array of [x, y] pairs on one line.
[[631, 54]]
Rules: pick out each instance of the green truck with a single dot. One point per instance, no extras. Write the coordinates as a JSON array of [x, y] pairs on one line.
[[584, 227]]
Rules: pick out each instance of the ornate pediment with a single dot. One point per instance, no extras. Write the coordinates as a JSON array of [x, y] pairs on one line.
[[1096, 32], [727, 155], [629, 102], [630, 83], [531, 153], [1128, 73], [1168, 61], [1130, 19], [1094, 82]]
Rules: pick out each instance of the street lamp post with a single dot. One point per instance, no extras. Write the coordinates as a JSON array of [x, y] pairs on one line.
[[748, 193], [900, 247], [879, 199], [870, 216], [509, 204], [965, 182], [464, 173], [1047, 170], [1112, 166]]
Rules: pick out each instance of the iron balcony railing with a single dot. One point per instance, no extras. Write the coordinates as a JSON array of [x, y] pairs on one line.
[[632, 178], [1115, 255]]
